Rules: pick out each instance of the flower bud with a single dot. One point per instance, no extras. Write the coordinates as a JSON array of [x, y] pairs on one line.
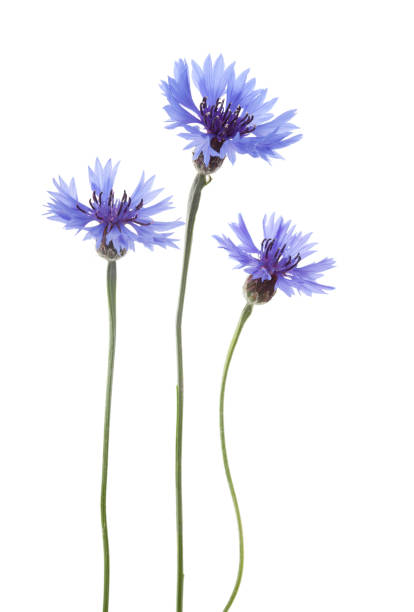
[[257, 291], [215, 160], [215, 163], [109, 252]]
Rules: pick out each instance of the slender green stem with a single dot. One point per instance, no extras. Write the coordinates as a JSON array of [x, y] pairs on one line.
[[199, 183], [111, 287], [247, 311]]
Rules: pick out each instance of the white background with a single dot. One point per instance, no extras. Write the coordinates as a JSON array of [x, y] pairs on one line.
[[319, 410]]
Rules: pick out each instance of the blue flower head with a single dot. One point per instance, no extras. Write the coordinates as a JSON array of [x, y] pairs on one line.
[[275, 265], [230, 116], [115, 224]]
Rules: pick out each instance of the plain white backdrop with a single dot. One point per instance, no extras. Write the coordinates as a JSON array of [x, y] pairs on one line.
[[319, 410]]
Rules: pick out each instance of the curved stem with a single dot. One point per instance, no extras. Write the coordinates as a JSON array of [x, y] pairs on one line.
[[199, 182], [111, 288], [247, 311]]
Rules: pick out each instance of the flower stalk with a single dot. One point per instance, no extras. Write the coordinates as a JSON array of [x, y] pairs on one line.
[[246, 312], [111, 288], [200, 181]]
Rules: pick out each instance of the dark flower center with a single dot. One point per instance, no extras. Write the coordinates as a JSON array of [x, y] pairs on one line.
[[275, 258], [224, 122], [112, 212]]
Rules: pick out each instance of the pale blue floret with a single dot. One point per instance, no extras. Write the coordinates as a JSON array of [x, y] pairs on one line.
[[111, 221], [230, 116], [278, 258]]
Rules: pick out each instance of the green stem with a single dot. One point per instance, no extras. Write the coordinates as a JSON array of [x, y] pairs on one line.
[[111, 288], [199, 183], [247, 311]]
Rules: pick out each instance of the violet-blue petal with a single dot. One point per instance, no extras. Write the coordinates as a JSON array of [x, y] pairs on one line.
[[279, 257], [113, 222], [227, 115]]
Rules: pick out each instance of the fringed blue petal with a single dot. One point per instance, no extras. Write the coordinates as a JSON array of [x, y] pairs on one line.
[[263, 134], [278, 257], [119, 222]]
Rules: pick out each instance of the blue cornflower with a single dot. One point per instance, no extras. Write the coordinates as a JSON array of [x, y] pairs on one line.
[[275, 265], [115, 224], [230, 117]]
